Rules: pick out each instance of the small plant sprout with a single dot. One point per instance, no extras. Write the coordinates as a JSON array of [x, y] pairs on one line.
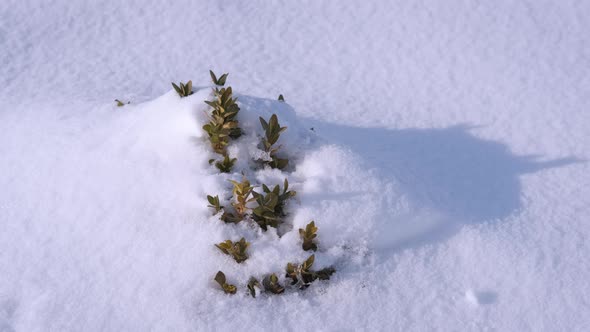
[[265, 213], [308, 236], [252, 285], [303, 276], [271, 204], [272, 132], [242, 192], [184, 90], [214, 203], [235, 249], [271, 284], [281, 98], [223, 124], [216, 81], [121, 103], [225, 165], [218, 137], [227, 288], [225, 110], [282, 197]]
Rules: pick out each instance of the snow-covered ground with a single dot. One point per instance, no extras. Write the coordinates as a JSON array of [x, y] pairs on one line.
[[447, 169]]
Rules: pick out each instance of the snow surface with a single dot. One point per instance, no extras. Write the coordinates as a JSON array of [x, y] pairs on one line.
[[447, 168]]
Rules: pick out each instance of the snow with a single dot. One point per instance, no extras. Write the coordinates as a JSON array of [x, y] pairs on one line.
[[447, 168]]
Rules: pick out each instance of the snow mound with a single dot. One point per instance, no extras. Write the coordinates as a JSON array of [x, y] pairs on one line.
[[123, 219]]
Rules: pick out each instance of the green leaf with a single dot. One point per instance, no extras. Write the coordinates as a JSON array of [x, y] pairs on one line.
[[222, 79], [263, 123], [308, 263], [211, 103], [189, 87], [226, 95], [220, 278], [177, 88], [213, 77]]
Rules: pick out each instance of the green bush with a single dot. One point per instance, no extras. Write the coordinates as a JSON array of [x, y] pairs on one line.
[[265, 208]]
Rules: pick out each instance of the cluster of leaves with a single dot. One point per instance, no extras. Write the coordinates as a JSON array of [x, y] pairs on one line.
[[184, 90], [242, 192], [227, 288], [225, 165], [223, 124], [235, 249], [228, 217], [272, 133], [214, 203], [270, 284], [271, 204], [216, 81], [302, 275], [308, 236]]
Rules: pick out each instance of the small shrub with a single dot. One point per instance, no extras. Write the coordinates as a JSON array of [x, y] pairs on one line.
[[214, 203], [271, 284], [302, 274], [308, 236], [281, 98], [227, 288], [252, 285], [225, 165], [235, 249], [220, 81], [272, 132], [184, 90]]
